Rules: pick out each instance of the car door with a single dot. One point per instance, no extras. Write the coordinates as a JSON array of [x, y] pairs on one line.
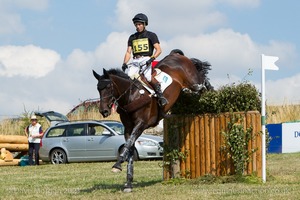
[[101, 143], [75, 142]]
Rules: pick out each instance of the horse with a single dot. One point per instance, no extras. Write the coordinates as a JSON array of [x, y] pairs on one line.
[[137, 109]]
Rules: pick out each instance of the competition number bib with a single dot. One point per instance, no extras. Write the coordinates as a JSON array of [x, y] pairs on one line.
[[140, 45]]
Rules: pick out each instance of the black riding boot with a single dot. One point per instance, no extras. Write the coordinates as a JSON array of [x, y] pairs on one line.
[[162, 101]]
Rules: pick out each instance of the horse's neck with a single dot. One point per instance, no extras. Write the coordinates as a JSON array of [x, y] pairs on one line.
[[121, 84]]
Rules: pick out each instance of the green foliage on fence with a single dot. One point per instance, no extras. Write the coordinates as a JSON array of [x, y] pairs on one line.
[[229, 98], [237, 139]]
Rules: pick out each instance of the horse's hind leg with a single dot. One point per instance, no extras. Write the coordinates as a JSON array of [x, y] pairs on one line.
[[128, 185], [198, 87]]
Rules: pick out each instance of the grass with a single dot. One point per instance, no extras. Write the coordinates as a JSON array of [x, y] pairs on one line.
[[95, 181]]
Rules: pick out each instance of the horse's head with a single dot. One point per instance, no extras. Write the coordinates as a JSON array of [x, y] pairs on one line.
[[106, 92]]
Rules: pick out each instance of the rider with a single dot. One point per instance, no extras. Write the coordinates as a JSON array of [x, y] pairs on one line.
[[142, 44]]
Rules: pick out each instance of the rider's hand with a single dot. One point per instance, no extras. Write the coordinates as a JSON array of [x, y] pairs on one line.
[[150, 61], [124, 67]]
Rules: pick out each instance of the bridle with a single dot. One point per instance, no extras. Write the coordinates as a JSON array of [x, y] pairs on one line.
[[113, 99]]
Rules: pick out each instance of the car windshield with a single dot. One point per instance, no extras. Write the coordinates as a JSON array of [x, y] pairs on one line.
[[116, 126]]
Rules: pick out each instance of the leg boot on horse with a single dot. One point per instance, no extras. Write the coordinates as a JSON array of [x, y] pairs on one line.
[[162, 101], [128, 185]]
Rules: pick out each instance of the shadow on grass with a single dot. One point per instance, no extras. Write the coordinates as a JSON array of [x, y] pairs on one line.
[[118, 187]]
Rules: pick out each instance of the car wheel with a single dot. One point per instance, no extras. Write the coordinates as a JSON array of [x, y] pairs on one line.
[[58, 156], [135, 154]]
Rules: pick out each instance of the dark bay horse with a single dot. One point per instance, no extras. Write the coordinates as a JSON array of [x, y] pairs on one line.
[[138, 111]]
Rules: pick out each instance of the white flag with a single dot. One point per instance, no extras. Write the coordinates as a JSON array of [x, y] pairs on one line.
[[268, 62]]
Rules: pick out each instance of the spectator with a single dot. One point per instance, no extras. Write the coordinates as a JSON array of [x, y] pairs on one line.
[[34, 133]]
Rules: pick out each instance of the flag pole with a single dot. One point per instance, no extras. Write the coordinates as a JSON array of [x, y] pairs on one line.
[[263, 121], [267, 63]]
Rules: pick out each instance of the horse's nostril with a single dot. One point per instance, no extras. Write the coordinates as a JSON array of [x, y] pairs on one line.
[[105, 113]]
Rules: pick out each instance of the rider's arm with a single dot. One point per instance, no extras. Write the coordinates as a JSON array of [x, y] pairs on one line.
[[157, 51], [127, 55]]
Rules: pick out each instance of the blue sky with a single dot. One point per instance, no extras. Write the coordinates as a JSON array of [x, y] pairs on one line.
[[49, 48]]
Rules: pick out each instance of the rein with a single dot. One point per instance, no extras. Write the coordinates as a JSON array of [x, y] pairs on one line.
[[114, 99]]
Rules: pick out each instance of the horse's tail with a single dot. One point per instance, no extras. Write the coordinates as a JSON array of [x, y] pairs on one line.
[[202, 67]]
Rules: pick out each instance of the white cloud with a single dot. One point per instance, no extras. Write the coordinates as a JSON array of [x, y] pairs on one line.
[[168, 17], [229, 51], [110, 53], [28, 61], [10, 18], [282, 90]]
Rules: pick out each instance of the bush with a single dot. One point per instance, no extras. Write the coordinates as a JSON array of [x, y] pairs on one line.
[[229, 98]]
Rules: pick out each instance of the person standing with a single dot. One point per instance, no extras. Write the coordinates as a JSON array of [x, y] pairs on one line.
[[34, 133], [145, 47]]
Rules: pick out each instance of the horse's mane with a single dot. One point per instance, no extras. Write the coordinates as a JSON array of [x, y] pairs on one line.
[[118, 72]]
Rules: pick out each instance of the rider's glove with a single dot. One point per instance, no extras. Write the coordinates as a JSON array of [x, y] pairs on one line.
[[150, 61], [124, 67]]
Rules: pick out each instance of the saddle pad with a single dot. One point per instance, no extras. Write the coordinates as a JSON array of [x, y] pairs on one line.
[[163, 78]]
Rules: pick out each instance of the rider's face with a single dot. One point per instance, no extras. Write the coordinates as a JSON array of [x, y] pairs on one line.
[[139, 26]]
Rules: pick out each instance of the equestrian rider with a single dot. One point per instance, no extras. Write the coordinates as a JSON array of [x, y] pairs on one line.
[[142, 44]]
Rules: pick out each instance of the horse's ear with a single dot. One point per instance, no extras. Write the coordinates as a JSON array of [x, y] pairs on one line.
[[97, 76], [105, 74]]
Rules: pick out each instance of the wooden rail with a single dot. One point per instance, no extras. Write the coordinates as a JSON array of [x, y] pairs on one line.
[[200, 138]]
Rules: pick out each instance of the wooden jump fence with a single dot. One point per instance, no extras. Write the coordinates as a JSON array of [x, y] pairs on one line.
[[200, 138]]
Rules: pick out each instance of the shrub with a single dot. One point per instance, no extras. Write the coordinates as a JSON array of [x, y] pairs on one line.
[[229, 98]]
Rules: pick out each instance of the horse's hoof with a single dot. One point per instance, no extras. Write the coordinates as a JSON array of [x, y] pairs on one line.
[[127, 187], [115, 170], [127, 190]]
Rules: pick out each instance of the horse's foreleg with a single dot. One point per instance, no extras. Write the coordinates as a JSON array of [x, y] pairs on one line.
[[136, 132], [128, 185], [117, 167]]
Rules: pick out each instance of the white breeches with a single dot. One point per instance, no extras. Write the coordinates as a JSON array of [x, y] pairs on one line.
[[134, 68]]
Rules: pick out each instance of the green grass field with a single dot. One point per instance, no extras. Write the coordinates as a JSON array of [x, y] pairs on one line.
[[95, 181]]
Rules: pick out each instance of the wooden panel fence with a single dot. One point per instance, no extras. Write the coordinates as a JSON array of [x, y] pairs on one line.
[[200, 139]]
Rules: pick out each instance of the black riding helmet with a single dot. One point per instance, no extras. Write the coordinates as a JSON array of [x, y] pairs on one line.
[[140, 18]]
